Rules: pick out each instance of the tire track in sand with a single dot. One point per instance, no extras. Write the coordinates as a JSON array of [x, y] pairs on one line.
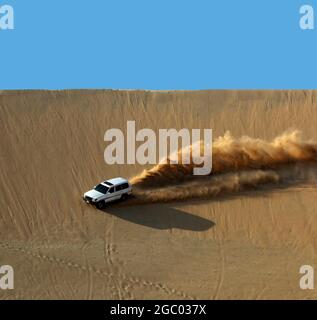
[[133, 281], [117, 289]]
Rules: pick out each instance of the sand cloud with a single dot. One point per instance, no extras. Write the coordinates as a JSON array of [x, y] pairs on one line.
[[238, 164]]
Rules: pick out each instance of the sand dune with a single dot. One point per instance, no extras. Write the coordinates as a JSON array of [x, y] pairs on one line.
[[242, 232]]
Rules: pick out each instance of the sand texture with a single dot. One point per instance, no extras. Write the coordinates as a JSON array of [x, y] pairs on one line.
[[241, 233]]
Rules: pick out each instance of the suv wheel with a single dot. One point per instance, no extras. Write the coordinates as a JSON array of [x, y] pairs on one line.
[[100, 204], [124, 196]]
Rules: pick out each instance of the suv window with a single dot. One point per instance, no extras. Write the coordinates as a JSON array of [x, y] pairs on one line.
[[125, 186], [119, 187], [111, 190], [101, 188]]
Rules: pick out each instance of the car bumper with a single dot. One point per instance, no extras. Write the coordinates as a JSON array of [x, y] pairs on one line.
[[88, 200]]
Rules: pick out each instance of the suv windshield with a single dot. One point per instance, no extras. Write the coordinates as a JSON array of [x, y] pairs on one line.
[[101, 188]]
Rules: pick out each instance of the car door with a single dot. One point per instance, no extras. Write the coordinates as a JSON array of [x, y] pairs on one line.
[[110, 195], [118, 191]]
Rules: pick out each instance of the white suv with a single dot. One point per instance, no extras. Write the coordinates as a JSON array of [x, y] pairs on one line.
[[107, 191]]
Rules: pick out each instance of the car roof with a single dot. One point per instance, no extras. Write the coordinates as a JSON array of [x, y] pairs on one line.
[[116, 181]]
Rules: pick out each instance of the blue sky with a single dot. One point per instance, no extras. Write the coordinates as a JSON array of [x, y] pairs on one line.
[[146, 44]]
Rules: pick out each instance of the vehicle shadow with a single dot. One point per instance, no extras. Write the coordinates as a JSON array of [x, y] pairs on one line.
[[161, 217]]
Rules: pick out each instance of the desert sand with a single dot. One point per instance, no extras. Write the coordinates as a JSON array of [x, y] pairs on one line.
[[243, 240]]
